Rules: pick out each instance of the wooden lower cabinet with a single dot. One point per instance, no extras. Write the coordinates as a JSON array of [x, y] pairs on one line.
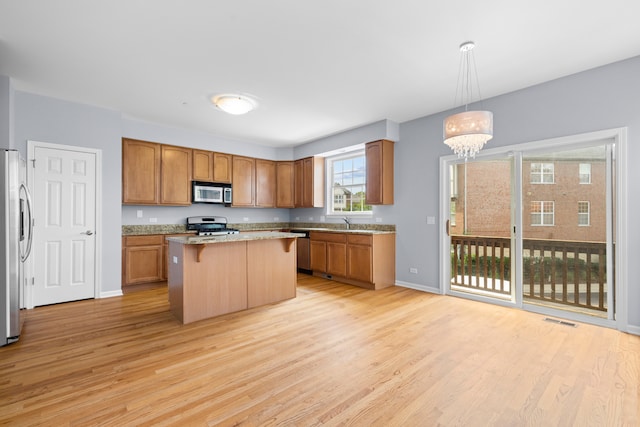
[[142, 259], [145, 258], [366, 260], [318, 254], [337, 259], [359, 266]]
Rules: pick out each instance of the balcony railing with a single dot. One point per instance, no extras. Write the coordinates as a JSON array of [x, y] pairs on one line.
[[562, 272]]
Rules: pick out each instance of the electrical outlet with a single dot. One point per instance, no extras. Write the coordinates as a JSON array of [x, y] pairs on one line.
[[413, 270], [139, 213], [431, 220], [378, 219], [246, 218], [153, 219], [175, 259]]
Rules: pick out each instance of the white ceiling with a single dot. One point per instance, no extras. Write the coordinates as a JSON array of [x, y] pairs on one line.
[[316, 67]]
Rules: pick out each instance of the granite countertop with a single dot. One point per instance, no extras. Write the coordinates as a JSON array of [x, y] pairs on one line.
[[351, 231], [225, 238], [147, 229]]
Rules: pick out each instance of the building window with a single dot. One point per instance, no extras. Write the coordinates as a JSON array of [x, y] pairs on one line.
[[583, 213], [348, 177], [542, 173], [585, 173], [542, 213]]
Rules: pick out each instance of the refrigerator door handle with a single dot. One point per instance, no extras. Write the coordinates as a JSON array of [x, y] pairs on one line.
[[24, 256]]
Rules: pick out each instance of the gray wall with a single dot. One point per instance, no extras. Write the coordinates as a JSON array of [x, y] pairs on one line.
[[6, 113], [602, 98], [54, 121]]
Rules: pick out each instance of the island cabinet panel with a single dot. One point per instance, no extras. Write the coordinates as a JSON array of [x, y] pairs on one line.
[[165, 253], [202, 165], [271, 272], [175, 186], [216, 285], [222, 168], [140, 172], [244, 172], [208, 278]]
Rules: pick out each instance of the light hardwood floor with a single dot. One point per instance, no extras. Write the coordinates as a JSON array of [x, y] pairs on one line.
[[335, 355]]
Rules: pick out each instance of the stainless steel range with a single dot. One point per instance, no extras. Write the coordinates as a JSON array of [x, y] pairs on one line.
[[210, 225]]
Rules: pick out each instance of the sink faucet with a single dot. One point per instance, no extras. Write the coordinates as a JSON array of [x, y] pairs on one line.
[[347, 222]]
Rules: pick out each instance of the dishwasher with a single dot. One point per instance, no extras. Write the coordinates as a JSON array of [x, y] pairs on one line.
[[304, 252]]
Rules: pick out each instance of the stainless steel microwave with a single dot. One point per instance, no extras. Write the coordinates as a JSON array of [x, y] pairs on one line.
[[209, 192]]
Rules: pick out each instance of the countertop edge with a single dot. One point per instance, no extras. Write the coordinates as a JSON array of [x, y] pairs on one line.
[[228, 238]]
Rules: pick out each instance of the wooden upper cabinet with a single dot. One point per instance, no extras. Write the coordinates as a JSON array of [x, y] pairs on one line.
[[140, 172], [222, 167], [285, 184], [309, 182], [175, 173], [298, 183], [243, 174], [265, 183], [379, 157], [202, 165]]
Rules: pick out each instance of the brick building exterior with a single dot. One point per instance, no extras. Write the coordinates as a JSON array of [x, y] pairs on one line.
[[561, 201]]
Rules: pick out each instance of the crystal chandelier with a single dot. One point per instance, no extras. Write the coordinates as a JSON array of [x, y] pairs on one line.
[[467, 132]]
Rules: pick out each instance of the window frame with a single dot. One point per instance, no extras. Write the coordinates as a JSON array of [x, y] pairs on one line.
[[542, 213], [587, 213], [580, 173], [542, 174], [329, 161]]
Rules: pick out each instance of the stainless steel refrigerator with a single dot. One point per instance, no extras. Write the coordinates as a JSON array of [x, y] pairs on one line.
[[15, 240]]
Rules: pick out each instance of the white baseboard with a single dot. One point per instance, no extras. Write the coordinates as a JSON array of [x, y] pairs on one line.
[[417, 287], [110, 294], [635, 330]]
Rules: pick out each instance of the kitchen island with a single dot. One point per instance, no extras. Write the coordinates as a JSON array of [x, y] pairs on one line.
[[214, 275]]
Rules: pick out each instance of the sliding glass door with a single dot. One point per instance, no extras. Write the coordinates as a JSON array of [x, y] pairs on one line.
[[534, 227], [567, 203], [479, 227]]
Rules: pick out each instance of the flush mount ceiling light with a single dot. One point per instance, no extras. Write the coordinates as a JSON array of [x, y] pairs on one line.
[[467, 132], [234, 103]]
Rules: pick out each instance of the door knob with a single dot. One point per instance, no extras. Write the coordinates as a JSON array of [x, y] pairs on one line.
[[88, 232]]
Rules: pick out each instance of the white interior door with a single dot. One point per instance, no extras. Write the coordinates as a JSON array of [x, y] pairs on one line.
[[64, 197]]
